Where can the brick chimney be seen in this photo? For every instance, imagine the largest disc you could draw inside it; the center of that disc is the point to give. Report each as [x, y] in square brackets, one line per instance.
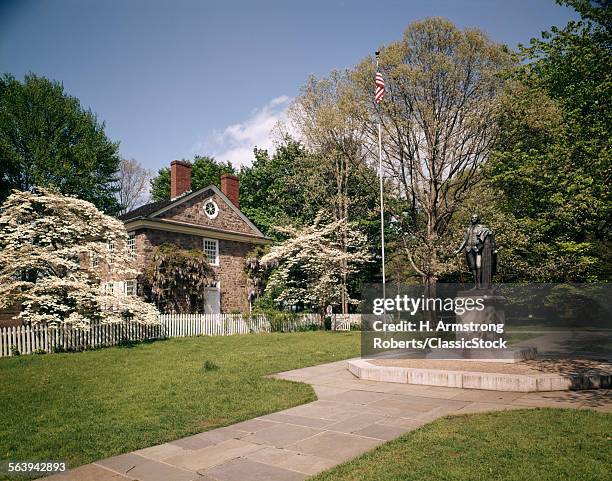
[230, 186]
[180, 178]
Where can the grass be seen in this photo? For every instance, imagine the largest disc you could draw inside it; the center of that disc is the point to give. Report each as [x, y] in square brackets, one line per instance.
[515, 337]
[542, 444]
[85, 406]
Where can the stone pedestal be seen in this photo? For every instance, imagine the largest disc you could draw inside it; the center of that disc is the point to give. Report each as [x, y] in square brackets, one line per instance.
[493, 313]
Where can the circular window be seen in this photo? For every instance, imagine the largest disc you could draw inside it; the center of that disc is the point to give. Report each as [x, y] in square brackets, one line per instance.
[211, 209]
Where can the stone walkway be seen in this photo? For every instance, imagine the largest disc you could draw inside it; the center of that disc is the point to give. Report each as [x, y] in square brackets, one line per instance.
[351, 416]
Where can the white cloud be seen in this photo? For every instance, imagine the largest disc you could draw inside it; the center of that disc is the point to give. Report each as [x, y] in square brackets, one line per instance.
[237, 141]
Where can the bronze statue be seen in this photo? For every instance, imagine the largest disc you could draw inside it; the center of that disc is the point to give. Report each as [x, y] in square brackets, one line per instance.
[480, 253]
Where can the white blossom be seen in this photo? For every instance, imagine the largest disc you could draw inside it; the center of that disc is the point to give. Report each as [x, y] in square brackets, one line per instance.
[308, 265]
[47, 241]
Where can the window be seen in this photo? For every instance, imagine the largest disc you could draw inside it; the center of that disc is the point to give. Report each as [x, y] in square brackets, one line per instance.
[211, 249]
[211, 209]
[95, 260]
[111, 246]
[131, 245]
[130, 287]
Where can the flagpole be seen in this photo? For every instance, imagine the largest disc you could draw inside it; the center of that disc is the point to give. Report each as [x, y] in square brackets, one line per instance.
[382, 216]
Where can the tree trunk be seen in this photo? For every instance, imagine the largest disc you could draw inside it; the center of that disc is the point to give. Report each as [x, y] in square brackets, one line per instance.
[431, 279]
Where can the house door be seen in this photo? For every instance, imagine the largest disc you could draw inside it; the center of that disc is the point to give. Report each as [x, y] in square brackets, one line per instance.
[213, 300]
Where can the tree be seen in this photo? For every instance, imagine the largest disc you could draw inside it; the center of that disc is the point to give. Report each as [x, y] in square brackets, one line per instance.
[278, 189]
[132, 185]
[257, 274]
[309, 265]
[572, 65]
[160, 185]
[205, 171]
[48, 139]
[438, 122]
[325, 113]
[176, 279]
[515, 242]
[47, 241]
[290, 188]
[552, 160]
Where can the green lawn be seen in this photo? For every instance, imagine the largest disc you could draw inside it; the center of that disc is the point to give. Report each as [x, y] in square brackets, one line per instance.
[85, 406]
[539, 445]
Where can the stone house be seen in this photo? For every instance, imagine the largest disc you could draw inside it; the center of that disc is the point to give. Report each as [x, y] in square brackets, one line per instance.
[208, 219]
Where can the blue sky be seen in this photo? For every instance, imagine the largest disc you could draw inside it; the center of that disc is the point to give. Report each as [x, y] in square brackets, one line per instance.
[176, 78]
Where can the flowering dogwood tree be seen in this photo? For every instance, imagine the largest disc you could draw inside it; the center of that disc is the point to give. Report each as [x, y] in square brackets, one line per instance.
[53, 251]
[310, 263]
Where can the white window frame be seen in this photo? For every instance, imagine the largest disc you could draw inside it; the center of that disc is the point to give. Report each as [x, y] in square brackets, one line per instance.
[211, 201]
[131, 245]
[216, 242]
[126, 291]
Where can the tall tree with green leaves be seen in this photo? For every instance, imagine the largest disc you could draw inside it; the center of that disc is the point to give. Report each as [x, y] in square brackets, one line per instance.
[48, 139]
[278, 190]
[572, 64]
[553, 158]
[292, 187]
[327, 115]
[438, 122]
[206, 171]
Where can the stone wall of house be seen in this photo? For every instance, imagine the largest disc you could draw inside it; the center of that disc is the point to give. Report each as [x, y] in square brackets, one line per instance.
[192, 212]
[230, 272]
[8, 317]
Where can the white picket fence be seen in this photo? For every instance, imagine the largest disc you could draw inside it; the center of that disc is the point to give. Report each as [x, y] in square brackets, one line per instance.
[343, 322]
[182, 325]
[28, 339]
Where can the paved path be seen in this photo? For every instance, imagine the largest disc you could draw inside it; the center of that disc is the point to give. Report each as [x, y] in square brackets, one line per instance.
[351, 416]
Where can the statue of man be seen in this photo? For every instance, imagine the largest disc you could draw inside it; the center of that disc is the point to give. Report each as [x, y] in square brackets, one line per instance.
[480, 252]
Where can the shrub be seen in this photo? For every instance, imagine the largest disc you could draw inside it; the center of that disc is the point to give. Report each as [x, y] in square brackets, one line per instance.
[283, 321]
[176, 279]
[209, 366]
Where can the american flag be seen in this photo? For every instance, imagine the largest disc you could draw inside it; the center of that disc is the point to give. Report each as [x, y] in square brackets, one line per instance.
[380, 88]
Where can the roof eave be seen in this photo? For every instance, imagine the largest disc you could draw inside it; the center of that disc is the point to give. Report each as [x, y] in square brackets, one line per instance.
[144, 222]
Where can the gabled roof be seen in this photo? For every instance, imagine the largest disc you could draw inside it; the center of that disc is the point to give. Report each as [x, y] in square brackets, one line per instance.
[144, 210]
[152, 210]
